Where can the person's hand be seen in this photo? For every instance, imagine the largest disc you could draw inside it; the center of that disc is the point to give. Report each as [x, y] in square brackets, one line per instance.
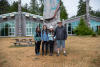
[35, 41]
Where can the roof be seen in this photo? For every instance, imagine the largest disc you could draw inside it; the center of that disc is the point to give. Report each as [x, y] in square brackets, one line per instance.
[70, 20]
[24, 13]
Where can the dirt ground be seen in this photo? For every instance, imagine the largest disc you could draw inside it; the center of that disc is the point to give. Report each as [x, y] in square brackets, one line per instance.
[82, 52]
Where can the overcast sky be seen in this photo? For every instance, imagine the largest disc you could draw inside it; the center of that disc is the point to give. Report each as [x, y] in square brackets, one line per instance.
[71, 5]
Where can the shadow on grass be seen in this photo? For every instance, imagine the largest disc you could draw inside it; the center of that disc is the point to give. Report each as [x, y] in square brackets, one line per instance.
[18, 46]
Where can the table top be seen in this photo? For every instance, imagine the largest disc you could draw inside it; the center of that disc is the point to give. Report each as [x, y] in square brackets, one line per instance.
[22, 38]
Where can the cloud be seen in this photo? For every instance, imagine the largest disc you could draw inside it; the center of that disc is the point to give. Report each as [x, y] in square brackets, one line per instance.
[71, 6]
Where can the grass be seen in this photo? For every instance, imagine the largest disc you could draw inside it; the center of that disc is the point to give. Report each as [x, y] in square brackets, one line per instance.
[3, 62]
[96, 61]
[83, 51]
[2, 59]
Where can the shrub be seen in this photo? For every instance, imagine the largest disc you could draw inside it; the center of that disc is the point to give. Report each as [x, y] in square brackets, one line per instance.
[99, 32]
[94, 34]
[83, 29]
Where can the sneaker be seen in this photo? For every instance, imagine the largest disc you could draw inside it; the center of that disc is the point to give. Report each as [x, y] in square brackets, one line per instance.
[65, 54]
[50, 54]
[57, 54]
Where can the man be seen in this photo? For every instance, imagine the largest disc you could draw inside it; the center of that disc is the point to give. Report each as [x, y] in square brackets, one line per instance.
[61, 36]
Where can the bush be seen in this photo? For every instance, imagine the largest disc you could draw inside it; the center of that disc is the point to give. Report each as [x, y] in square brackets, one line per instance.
[94, 34]
[99, 32]
[83, 29]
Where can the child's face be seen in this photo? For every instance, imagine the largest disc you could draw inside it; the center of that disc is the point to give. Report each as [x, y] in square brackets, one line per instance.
[51, 29]
[44, 27]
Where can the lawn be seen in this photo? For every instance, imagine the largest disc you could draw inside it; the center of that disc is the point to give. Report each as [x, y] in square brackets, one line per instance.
[82, 52]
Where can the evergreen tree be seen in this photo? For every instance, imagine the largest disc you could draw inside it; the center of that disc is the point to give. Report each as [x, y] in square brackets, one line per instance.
[34, 7]
[25, 8]
[95, 13]
[83, 29]
[14, 7]
[4, 6]
[41, 8]
[81, 8]
[63, 12]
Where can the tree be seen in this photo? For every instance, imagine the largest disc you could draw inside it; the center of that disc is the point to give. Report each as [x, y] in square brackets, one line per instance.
[83, 29]
[41, 8]
[81, 8]
[25, 8]
[4, 6]
[95, 13]
[34, 7]
[14, 7]
[63, 12]
[98, 32]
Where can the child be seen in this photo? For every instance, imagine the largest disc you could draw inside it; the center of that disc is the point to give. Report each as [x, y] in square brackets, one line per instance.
[44, 37]
[51, 39]
[37, 38]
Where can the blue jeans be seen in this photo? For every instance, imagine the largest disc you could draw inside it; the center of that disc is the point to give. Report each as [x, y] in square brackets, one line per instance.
[60, 43]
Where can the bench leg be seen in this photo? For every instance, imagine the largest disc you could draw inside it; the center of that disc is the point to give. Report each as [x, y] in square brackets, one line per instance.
[19, 44]
[14, 44]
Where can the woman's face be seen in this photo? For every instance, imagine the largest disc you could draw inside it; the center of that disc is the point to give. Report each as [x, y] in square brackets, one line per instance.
[44, 27]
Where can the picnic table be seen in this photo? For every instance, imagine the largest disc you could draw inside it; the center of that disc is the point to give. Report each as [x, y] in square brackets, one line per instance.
[21, 41]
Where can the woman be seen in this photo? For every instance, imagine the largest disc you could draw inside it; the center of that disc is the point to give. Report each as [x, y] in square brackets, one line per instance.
[44, 38]
[51, 40]
[37, 38]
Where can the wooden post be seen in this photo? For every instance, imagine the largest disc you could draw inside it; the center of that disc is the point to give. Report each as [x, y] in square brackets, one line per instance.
[19, 19]
[87, 13]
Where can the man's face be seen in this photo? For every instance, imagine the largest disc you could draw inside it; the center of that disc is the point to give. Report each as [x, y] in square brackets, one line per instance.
[59, 24]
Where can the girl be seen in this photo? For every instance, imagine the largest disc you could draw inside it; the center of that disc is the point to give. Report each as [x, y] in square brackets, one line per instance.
[44, 37]
[51, 39]
[37, 38]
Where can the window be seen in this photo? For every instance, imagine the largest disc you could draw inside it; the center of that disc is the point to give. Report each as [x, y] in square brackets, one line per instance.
[30, 27]
[7, 28]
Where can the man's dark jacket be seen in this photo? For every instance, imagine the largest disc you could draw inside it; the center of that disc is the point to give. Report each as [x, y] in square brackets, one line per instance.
[60, 33]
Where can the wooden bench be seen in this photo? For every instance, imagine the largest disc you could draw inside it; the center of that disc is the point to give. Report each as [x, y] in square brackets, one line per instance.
[20, 41]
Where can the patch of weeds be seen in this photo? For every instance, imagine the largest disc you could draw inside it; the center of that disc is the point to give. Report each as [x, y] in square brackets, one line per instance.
[3, 62]
[96, 61]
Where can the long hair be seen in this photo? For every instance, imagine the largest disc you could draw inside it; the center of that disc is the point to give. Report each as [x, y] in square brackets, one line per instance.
[51, 31]
[37, 29]
[45, 29]
[38, 32]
